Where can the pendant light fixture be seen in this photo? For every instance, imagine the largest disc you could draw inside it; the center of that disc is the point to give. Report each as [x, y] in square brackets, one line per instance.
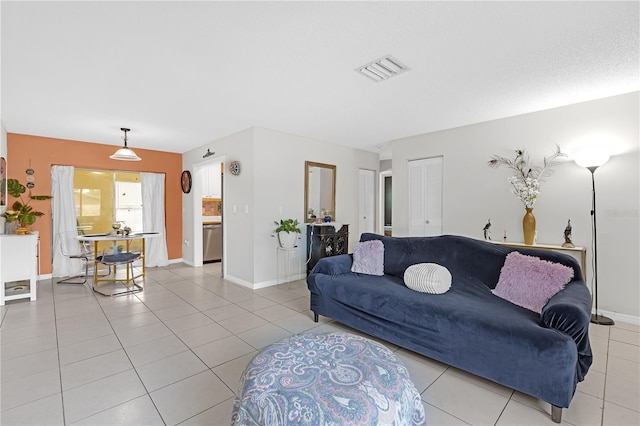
[124, 153]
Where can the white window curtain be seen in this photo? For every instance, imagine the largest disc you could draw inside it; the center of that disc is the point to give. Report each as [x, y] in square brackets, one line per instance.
[153, 219]
[63, 210]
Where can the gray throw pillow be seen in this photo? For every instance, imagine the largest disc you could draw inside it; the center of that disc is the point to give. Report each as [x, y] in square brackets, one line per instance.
[368, 258]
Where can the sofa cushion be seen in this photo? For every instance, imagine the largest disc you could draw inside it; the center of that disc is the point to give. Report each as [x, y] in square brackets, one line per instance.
[428, 278]
[368, 258]
[530, 282]
[464, 257]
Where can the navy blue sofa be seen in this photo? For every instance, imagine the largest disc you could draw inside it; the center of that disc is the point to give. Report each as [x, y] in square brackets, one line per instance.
[467, 327]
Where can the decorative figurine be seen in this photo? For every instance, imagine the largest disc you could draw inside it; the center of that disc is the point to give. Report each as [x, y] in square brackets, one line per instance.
[487, 230]
[567, 236]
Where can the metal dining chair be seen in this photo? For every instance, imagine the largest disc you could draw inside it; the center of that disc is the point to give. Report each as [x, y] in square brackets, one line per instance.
[74, 249]
[118, 259]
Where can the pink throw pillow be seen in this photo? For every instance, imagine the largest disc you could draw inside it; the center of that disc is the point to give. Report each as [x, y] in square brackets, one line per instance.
[530, 282]
[368, 258]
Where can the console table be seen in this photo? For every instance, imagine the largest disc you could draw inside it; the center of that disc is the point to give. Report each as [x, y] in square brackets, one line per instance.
[578, 250]
[324, 240]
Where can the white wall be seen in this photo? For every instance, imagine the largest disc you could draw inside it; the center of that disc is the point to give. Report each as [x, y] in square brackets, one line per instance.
[279, 189]
[386, 165]
[3, 141]
[238, 191]
[473, 192]
[3, 153]
[271, 186]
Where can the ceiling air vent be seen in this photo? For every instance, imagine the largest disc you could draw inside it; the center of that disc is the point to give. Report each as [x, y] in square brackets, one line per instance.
[382, 69]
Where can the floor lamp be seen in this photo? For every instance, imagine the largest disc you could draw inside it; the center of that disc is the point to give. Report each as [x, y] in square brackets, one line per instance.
[592, 160]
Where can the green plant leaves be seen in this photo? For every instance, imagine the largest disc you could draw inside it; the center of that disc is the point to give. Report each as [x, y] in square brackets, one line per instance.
[22, 211]
[288, 225]
[15, 188]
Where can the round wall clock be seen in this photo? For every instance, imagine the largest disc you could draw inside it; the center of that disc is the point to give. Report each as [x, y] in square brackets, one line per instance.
[185, 181]
[234, 168]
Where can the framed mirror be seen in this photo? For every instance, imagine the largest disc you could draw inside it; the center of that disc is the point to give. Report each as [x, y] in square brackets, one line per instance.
[319, 191]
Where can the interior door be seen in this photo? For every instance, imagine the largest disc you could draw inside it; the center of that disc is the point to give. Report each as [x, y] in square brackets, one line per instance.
[425, 197]
[367, 201]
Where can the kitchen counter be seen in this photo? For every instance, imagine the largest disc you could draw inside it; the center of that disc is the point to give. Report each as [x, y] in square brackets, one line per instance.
[211, 220]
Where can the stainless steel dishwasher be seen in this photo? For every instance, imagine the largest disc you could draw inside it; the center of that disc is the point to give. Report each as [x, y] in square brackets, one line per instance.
[211, 243]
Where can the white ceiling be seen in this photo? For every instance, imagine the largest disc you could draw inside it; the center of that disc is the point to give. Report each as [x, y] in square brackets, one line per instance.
[183, 74]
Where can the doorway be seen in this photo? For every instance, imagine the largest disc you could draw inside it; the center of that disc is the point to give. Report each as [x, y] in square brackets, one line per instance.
[209, 228]
[386, 204]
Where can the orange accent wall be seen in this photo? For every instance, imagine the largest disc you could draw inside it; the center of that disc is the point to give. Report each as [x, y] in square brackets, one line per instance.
[40, 153]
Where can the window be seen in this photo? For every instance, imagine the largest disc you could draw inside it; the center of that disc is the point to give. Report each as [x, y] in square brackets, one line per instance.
[87, 202]
[103, 197]
[128, 200]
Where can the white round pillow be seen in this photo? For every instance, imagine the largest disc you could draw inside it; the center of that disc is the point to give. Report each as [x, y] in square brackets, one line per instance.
[428, 278]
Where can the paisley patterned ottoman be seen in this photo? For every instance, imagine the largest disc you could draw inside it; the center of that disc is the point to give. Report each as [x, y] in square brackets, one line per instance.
[327, 379]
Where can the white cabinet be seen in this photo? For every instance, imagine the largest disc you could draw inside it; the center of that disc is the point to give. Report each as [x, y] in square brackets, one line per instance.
[212, 181]
[216, 182]
[19, 269]
[204, 182]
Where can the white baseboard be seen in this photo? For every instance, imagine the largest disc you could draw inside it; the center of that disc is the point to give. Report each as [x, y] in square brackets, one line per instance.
[262, 284]
[618, 317]
[239, 281]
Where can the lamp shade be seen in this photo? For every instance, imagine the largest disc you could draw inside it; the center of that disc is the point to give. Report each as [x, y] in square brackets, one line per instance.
[591, 157]
[125, 154]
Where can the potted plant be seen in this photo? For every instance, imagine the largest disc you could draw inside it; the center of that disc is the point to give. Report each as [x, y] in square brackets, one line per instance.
[288, 231]
[21, 211]
[525, 183]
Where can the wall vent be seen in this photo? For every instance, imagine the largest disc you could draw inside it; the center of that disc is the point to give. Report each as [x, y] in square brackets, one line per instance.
[382, 69]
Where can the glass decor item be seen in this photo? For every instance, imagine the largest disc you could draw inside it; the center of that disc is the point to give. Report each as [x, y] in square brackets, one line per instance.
[116, 228]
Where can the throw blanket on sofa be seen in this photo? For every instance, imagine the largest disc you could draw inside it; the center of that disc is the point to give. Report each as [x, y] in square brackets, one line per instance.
[468, 327]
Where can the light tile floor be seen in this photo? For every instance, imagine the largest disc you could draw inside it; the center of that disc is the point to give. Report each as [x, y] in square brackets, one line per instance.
[173, 355]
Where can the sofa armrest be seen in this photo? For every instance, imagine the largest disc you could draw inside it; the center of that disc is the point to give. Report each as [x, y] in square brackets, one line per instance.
[569, 311]
[334, 265]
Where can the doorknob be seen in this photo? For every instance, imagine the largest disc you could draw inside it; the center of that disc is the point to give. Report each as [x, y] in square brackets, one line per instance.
[426, 221]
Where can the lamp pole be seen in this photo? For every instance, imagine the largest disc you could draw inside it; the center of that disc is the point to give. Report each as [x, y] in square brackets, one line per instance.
[595, 318]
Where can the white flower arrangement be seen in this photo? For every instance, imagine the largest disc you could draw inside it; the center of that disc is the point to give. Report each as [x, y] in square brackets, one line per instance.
[527, 191]
[525, 184]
